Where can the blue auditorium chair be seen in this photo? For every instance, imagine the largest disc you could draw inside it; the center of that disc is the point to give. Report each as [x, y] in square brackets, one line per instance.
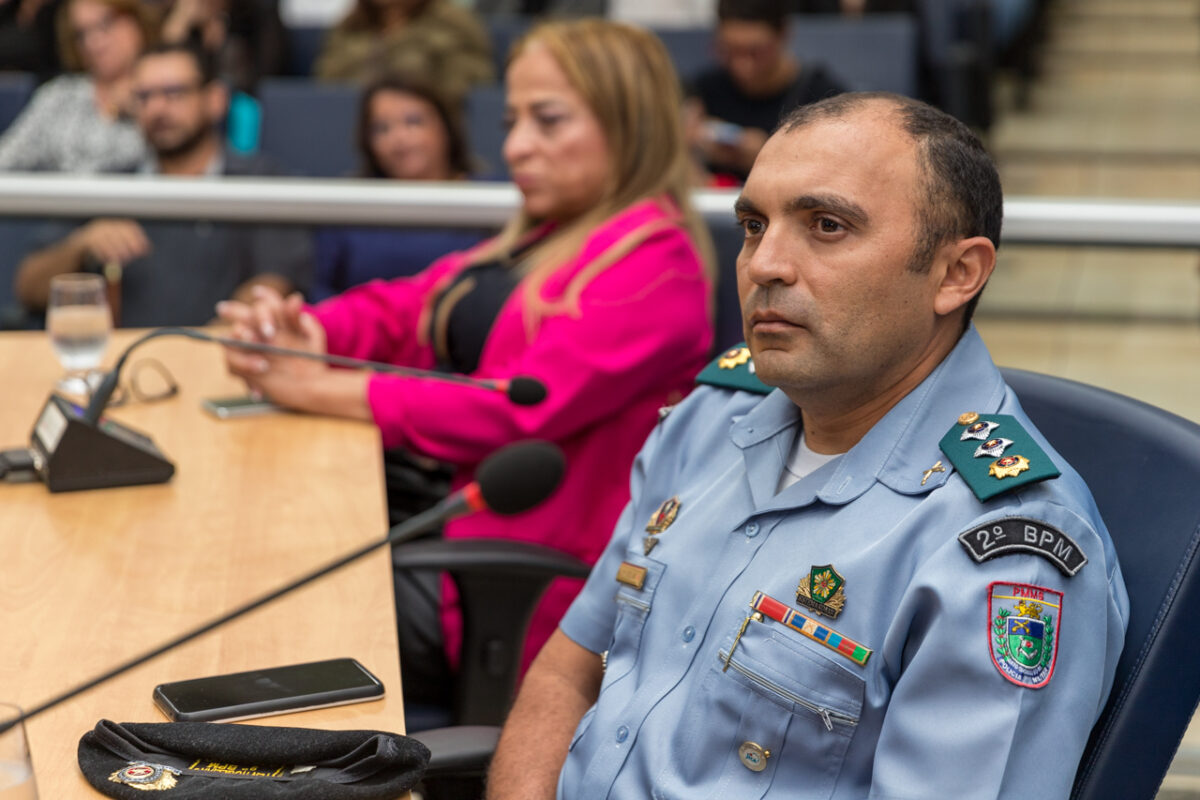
[308, 127]
[17, 240]
[878, 52]
[727, 243]
[15, 88]
[503, 31]
[485, 130]
[499, 584]
[691, 50]
[1143, 466]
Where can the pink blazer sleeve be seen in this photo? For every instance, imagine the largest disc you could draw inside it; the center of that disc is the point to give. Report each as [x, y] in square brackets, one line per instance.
[379, 320]
[640, 321]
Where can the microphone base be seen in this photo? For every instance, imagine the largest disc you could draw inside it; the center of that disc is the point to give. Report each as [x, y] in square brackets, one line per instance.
[70, 453]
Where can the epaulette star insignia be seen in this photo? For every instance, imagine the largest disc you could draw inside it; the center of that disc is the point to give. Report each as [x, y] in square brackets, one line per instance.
[992, 465]
[734, 358]
[733, 369]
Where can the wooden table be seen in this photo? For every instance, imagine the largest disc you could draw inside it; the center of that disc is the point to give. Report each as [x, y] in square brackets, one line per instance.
[90, 579]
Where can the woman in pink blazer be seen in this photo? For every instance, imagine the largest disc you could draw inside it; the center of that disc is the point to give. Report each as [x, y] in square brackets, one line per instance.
[600, 287]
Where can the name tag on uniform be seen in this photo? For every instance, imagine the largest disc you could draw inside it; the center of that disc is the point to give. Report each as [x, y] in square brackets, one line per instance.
[631, 575]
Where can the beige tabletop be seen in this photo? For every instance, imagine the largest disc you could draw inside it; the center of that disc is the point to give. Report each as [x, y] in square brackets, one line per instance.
[92, 578]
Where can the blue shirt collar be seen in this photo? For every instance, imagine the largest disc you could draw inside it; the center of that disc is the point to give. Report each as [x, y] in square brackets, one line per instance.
[897, 451]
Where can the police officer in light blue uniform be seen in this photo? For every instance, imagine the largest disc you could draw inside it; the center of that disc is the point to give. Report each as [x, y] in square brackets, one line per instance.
[876, 581]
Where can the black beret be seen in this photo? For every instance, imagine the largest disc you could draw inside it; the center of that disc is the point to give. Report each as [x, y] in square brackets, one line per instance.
[211, 759]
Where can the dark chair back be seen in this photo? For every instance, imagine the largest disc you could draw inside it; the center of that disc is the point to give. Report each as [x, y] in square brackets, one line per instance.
[308, 127]
[503, 31]
[691, 50]
[18, 237]
[15, 88]
[1143, 467]
[499, 584]
[727, 243]
[878, 52]
[485, 130]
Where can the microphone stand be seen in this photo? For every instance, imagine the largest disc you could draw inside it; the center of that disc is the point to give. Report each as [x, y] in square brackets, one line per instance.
[525, 395]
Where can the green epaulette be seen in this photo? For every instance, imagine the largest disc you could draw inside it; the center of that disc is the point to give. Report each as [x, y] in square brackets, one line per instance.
[733, 369]
[995, 454]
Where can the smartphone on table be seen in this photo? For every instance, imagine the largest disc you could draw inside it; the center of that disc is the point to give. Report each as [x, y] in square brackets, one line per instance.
[240, 406]
[262, 692]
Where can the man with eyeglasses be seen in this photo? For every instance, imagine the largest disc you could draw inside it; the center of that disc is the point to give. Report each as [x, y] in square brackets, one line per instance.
[173, 272]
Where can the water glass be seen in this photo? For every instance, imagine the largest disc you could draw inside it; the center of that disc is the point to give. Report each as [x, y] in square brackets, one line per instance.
[16, 768]
[78, 321]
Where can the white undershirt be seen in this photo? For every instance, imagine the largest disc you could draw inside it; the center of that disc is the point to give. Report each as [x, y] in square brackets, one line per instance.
[801, 462]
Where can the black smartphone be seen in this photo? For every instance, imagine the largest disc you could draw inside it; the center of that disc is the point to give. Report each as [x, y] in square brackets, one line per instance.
[262, 692]
[241, 406]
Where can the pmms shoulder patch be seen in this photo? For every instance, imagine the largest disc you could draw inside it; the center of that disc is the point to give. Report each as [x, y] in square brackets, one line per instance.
[1011, 535]
[1024, 623]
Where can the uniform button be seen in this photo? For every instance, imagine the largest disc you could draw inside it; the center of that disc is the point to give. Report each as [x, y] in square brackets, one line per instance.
[622, 733]
[689, 633]
[752, 529]
[753, 756]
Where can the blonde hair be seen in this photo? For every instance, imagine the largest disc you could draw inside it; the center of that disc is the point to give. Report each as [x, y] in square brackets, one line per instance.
[68, 48]
[625, 77]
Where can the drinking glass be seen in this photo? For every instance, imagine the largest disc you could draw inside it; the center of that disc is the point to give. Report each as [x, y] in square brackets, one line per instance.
[16, 769]
[78, 321]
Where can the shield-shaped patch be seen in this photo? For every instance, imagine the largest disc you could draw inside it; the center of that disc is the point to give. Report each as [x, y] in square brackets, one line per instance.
[1023, 631]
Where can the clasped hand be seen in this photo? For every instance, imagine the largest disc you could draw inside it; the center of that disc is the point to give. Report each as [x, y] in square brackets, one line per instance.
[273, 319]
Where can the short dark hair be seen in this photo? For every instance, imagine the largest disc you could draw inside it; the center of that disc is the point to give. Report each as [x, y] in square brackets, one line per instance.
[206, 63]
[962, 188]
[450, 115]
[768, 12]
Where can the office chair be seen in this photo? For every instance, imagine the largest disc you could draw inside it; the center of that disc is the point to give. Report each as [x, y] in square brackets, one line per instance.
[1143, 467]
[499, 584]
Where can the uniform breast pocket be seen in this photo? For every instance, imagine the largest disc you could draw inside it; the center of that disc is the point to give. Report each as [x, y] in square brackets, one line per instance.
[775, 717]
[638, 580]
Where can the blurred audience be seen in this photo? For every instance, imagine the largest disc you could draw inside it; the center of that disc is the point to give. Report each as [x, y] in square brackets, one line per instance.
[407, 132]
[600, 287]
[165, 272]
[855, 8]
[84, 122]
[758, 79]
[663, 13]
[27, 36]
[433, 40]
[246, 37]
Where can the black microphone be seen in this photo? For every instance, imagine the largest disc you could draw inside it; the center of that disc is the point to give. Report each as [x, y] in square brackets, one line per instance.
[513, 479]
[521, 390]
